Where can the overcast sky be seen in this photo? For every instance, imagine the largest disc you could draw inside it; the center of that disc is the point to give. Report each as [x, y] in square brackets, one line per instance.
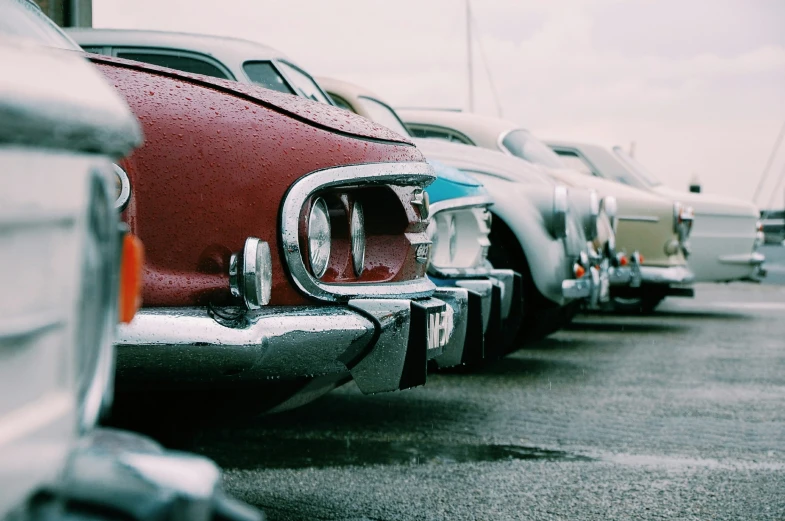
[699, 85]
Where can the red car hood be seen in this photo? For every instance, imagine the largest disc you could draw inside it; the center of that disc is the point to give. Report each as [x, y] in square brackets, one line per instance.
[315, 113]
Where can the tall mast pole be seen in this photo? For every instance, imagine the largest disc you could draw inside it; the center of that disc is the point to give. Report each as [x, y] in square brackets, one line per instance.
[469, 67]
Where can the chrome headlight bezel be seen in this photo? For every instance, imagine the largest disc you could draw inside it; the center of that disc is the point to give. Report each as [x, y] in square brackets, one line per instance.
[123, 188]
[559, 213]
[459, 232]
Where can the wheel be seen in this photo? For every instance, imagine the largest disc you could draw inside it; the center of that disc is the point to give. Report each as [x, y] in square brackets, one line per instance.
[541, 316]
[645, 303]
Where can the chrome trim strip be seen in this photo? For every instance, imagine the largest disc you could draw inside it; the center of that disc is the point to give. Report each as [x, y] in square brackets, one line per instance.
[666, 275]
[460, 203]
[640, 218]
[403, 174]
[177, 345]
[577, 288]
[745, 259]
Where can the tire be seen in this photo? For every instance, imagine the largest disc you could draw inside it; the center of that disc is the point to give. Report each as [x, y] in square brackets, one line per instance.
[645, 303]
[541, 316]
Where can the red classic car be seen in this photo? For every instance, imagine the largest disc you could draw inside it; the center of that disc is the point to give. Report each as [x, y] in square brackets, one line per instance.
[286, 239]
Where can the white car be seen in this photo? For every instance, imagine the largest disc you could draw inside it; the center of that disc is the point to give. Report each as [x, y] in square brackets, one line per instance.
[726, 233]
[217, 56]
[650, 228]
[526, 234]
[61, 248]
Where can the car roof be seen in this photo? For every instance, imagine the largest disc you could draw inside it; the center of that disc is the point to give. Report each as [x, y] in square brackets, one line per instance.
[345, 88]
[224, 48]
[476, 127]
[475, 159]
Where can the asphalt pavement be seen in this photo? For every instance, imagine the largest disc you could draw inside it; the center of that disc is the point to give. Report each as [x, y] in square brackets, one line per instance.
[679, 414]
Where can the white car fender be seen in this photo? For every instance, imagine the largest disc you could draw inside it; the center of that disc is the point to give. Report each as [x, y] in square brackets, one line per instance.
[523, 208]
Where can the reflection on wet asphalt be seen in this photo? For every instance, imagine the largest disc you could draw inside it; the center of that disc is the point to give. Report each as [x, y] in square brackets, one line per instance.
[320, 453]
[676, 415]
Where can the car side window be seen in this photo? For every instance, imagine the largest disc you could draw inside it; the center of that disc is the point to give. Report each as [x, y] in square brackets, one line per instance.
[303, 83]
[438, 133]
[342, 103]
[191, 64]
[575, 161]
[95, 49]
[265, 74]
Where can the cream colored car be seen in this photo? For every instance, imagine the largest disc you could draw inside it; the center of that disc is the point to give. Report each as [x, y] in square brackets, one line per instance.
[726, 235]
[653, 226]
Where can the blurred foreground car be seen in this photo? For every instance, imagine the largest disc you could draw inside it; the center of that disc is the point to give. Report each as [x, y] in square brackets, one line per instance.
[64, 289]
[725, 237]
[287, 250]
[649, 228]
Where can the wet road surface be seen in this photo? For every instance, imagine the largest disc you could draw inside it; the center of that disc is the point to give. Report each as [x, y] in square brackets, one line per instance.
[676, 415]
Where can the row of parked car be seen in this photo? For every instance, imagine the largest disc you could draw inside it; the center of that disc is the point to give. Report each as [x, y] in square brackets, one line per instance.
[298, 233]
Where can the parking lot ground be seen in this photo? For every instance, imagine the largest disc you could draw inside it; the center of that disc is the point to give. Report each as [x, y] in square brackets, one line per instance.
[676, 415]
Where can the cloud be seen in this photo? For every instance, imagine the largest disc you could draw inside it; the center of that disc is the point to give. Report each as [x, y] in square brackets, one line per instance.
[609, 71]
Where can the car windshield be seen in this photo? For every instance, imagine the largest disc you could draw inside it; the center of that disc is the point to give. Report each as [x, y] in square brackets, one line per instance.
[303, 83]
[636, 170]
[383, 115]
[23, 19]
[521, 143]
[265, 74]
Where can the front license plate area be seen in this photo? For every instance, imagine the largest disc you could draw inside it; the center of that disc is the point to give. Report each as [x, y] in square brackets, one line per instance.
[429, 332]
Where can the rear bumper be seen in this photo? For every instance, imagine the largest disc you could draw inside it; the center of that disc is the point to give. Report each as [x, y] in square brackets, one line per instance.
[493, 316]
[133, 477]
[662, 275]
[384, 344]
[747, 259]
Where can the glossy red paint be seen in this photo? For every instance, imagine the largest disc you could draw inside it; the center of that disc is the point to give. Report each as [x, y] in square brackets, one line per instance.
[214, 168]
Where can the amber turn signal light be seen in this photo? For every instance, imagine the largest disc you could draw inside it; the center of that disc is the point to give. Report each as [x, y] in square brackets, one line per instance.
[580, 271]
[130, 297]
[623, 260]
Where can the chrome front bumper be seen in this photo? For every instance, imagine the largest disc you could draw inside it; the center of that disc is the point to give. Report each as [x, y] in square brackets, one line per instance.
[493, 316]
[384, 344]
[666, 275]
[129, 476]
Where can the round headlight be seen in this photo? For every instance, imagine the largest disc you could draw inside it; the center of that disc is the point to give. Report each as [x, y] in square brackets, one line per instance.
[122, 189]
[251, 273]
[319, 237]
[452, 234]
[357, 229]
